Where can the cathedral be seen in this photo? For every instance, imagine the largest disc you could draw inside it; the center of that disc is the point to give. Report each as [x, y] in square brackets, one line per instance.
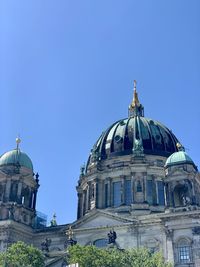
[139, 188]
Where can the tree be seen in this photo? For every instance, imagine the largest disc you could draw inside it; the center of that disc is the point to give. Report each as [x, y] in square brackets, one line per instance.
[112, 257]
[21, 255]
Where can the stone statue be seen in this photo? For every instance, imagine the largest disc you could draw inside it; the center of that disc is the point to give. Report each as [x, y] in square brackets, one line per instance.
[11, 212]
[53, 222]
[82, 170]
[70, 241]
[112, 236]
[46, 244]
[138, 147]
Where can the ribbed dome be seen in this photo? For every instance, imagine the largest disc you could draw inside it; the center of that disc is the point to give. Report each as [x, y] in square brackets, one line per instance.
[128, 135]
[180, 157]
[118, 139]
[16, 157]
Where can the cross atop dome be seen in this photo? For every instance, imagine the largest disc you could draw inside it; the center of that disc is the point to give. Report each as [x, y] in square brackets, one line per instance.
[18, 141]
[135, 108]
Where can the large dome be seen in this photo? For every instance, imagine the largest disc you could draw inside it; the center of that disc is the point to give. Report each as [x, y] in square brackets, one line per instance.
[122, 136]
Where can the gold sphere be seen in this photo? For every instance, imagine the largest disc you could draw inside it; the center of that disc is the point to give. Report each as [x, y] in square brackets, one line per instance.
[18, 140]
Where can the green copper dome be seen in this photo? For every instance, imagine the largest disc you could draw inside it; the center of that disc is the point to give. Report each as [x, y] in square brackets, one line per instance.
[16, 157]
[180, 157]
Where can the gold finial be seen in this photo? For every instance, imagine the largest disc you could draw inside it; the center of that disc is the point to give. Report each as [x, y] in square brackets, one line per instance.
[179, 146]
[18, 141]
[135, 101]
[135, 108]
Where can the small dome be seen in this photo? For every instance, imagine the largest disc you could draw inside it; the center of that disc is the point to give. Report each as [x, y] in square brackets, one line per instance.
[16, 157]
[180, 157]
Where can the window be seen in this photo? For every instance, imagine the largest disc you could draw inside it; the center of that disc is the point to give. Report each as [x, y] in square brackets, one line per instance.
[127, 192]
[139, 186]
[116, 194]
[161, 198]
[100, 243]
[184, 251]
[150, 191]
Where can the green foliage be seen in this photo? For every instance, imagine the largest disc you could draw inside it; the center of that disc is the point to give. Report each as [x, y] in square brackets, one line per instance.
[21, 255]
[95, 257]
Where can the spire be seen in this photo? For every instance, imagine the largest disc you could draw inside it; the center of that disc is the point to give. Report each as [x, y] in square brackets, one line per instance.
[135, 108]
[135, 101]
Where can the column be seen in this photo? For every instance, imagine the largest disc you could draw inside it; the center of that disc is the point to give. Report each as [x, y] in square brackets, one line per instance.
[169, 246]
[87, 199]
[145, 187]
[109, 192]
[132, 187]
[19, 192]
[79, 210]
[166, 195]
[89, 195]
[122, 189]
[7, 192]
[96, 193]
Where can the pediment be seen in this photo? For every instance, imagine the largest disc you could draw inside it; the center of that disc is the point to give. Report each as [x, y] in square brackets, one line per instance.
[100, 219]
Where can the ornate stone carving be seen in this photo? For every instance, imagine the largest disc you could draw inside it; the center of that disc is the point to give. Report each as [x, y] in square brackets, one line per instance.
[169, 232]
[46, 244]
[196, 230]
[138, 148]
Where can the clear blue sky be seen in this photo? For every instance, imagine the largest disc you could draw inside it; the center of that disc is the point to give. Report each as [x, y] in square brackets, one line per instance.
[66, 73]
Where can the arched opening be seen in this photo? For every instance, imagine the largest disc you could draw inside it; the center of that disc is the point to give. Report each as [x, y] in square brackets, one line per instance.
[25, 197]
[13, 192]
[181, 195]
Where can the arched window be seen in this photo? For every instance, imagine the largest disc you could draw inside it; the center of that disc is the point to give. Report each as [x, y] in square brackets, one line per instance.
[25, 196]
[184, 251]
[101, 243]
[181, 195]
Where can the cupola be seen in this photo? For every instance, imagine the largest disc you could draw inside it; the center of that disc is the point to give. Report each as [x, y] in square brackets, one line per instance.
[179, 158]
[16, 158]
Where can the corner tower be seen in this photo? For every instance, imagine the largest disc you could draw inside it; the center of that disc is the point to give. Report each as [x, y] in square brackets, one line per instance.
[18, 187]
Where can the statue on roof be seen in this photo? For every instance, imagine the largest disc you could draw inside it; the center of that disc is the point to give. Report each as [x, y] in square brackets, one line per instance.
[53, 222]
[112, 236]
